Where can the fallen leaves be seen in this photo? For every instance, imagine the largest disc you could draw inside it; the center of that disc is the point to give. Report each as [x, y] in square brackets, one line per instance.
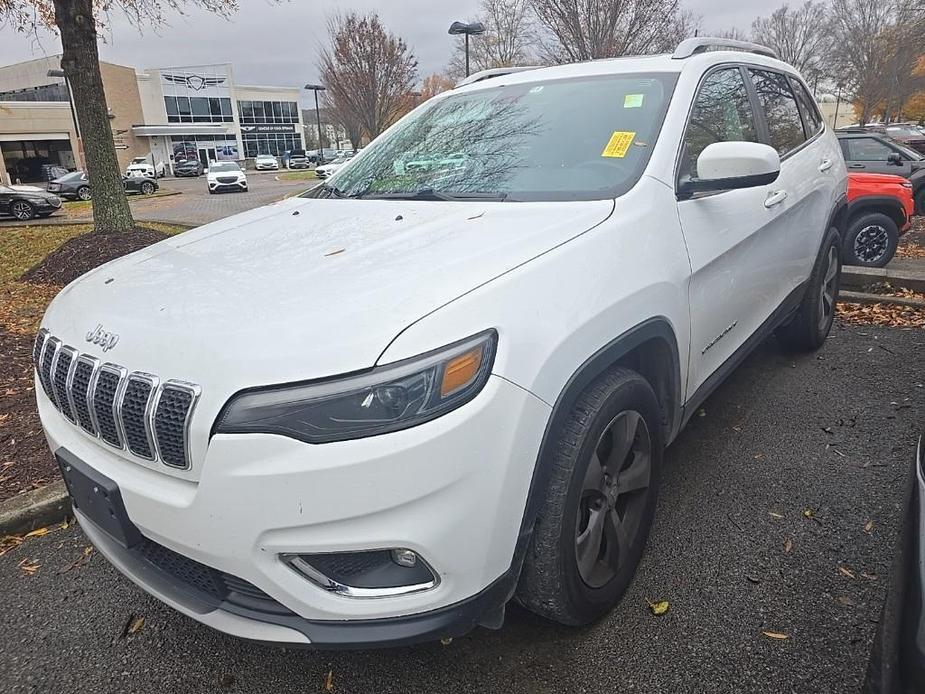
[774, 514]
[329, 681]
[776, 635]
[80, 561]
[659, 607]
[225, 680]
[132, 625]
[889, 315]
[29, 566]
[788, 545]
[844, 571]
[868, 527]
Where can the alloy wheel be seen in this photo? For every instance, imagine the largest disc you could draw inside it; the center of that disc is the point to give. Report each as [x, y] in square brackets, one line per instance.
[871, 243]
[84, 194]
[22, 210]
[613, 498]
[827, 291]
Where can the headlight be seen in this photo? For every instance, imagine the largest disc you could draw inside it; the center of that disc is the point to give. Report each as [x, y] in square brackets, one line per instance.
[386, 398]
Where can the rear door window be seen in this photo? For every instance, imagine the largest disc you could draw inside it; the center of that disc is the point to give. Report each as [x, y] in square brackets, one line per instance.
[785, 126]
[812, 121]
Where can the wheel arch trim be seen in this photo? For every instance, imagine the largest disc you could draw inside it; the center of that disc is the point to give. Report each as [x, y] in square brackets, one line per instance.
[658, 328]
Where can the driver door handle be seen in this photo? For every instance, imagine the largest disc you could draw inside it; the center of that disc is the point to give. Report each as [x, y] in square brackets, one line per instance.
[825, 165]
[775, 197]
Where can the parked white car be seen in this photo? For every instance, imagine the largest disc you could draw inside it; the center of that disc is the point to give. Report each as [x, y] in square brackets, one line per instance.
[224, 176]
[326, 170]
[266, 162]
[142, 166]
[374, 413]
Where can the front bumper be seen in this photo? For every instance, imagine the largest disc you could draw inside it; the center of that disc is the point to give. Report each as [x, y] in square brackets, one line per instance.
[237, 185]
[453, 490]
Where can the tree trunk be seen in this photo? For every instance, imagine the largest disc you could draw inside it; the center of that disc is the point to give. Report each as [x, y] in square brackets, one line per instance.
[80, 62]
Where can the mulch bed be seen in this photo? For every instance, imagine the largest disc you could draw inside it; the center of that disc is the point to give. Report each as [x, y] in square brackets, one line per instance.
[25, 460]
[81, 254]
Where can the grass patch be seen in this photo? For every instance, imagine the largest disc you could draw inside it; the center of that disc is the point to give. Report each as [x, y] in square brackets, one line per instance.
[305, 175]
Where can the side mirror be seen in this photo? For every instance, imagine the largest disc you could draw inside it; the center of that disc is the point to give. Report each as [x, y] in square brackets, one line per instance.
[731, 165]
[894, 158]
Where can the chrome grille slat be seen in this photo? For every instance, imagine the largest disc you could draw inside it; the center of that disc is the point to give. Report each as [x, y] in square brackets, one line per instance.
[106, 394]
[172, 410]
[62, 365]
[135, 407]
[81, 390]
[133, 411]
[48, 356]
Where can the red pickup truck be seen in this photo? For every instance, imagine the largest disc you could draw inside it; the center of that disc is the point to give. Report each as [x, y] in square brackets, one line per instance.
[880, 209]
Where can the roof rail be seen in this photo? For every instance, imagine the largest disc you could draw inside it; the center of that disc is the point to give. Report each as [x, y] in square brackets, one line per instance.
[702, 44]
[495, 72]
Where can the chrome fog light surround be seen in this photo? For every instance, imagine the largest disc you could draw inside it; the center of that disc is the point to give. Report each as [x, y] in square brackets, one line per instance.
[391, 566]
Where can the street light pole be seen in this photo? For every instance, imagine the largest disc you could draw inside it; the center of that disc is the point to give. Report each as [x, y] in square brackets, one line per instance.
[471, 29]
[70, 102]
[318, 88]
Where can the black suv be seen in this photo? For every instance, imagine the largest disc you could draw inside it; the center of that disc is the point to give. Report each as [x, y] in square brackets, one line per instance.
[875, 153]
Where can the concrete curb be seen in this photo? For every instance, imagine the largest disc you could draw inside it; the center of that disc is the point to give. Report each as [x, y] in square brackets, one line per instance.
[863, 276]
[36, 509]
[864, 298]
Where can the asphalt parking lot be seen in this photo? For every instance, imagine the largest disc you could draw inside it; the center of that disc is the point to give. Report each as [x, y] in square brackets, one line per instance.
[196, 206]
[779, 511]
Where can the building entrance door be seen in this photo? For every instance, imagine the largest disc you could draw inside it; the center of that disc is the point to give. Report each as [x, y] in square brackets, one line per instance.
[206, 155]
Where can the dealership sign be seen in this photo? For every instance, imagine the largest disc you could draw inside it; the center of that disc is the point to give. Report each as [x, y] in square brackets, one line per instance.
[279, 128]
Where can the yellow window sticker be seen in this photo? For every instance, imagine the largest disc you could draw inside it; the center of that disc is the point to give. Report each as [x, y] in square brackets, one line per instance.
[619, 144]
[633, 100]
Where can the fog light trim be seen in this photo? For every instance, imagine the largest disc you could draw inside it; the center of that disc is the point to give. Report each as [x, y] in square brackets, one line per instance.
[301, 564]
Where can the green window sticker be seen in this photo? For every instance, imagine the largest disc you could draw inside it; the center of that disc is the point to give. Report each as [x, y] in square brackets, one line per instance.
[633, 101]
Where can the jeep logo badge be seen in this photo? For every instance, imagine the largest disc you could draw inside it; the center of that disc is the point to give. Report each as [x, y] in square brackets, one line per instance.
[103, 338]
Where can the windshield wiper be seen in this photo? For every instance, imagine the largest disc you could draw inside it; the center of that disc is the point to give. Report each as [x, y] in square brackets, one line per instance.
[431, 194]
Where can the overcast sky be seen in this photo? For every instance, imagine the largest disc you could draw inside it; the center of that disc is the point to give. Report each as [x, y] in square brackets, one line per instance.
[277, 43]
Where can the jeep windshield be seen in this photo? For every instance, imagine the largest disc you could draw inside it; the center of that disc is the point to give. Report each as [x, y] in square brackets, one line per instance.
[586, 138]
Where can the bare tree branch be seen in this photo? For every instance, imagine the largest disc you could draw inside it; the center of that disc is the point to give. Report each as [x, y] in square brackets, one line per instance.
[587, 29]
[801, 36]
[369, 73]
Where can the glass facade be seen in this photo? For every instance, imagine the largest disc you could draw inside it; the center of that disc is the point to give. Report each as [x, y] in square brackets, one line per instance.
[188, 146]
[270, 143]
[198, 109]
[252, 112]
[45, 92]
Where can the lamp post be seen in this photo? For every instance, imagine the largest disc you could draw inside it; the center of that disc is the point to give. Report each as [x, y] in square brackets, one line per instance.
[470, 29]
[317, 88]
[70, 101]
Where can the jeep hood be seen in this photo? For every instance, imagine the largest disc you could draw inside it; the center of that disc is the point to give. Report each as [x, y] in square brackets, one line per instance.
[304, 288]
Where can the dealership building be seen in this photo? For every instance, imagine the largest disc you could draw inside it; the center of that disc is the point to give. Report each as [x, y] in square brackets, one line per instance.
[194, 111]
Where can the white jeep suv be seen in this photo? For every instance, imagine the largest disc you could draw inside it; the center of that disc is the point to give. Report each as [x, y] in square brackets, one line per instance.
[376, 413]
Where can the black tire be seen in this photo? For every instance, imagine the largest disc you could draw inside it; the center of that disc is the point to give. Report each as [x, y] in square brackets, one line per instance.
[43, 214]
[808, 329]
[871, 240]
[211, 192]
[553, 583]
[147, 188]
[22, 210]
[920, 202]
[83, 193]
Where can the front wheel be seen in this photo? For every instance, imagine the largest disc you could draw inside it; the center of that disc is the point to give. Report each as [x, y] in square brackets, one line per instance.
[871, 240]
[22, 210]
[813, 320]
[599, 503]
[84, 192]
[147, 188]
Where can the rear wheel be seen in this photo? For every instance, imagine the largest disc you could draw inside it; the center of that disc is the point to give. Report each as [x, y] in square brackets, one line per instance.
[83, 192]
[813, 321]
[22, 210]
[871, 240]
[147, 188]
[599, 503]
